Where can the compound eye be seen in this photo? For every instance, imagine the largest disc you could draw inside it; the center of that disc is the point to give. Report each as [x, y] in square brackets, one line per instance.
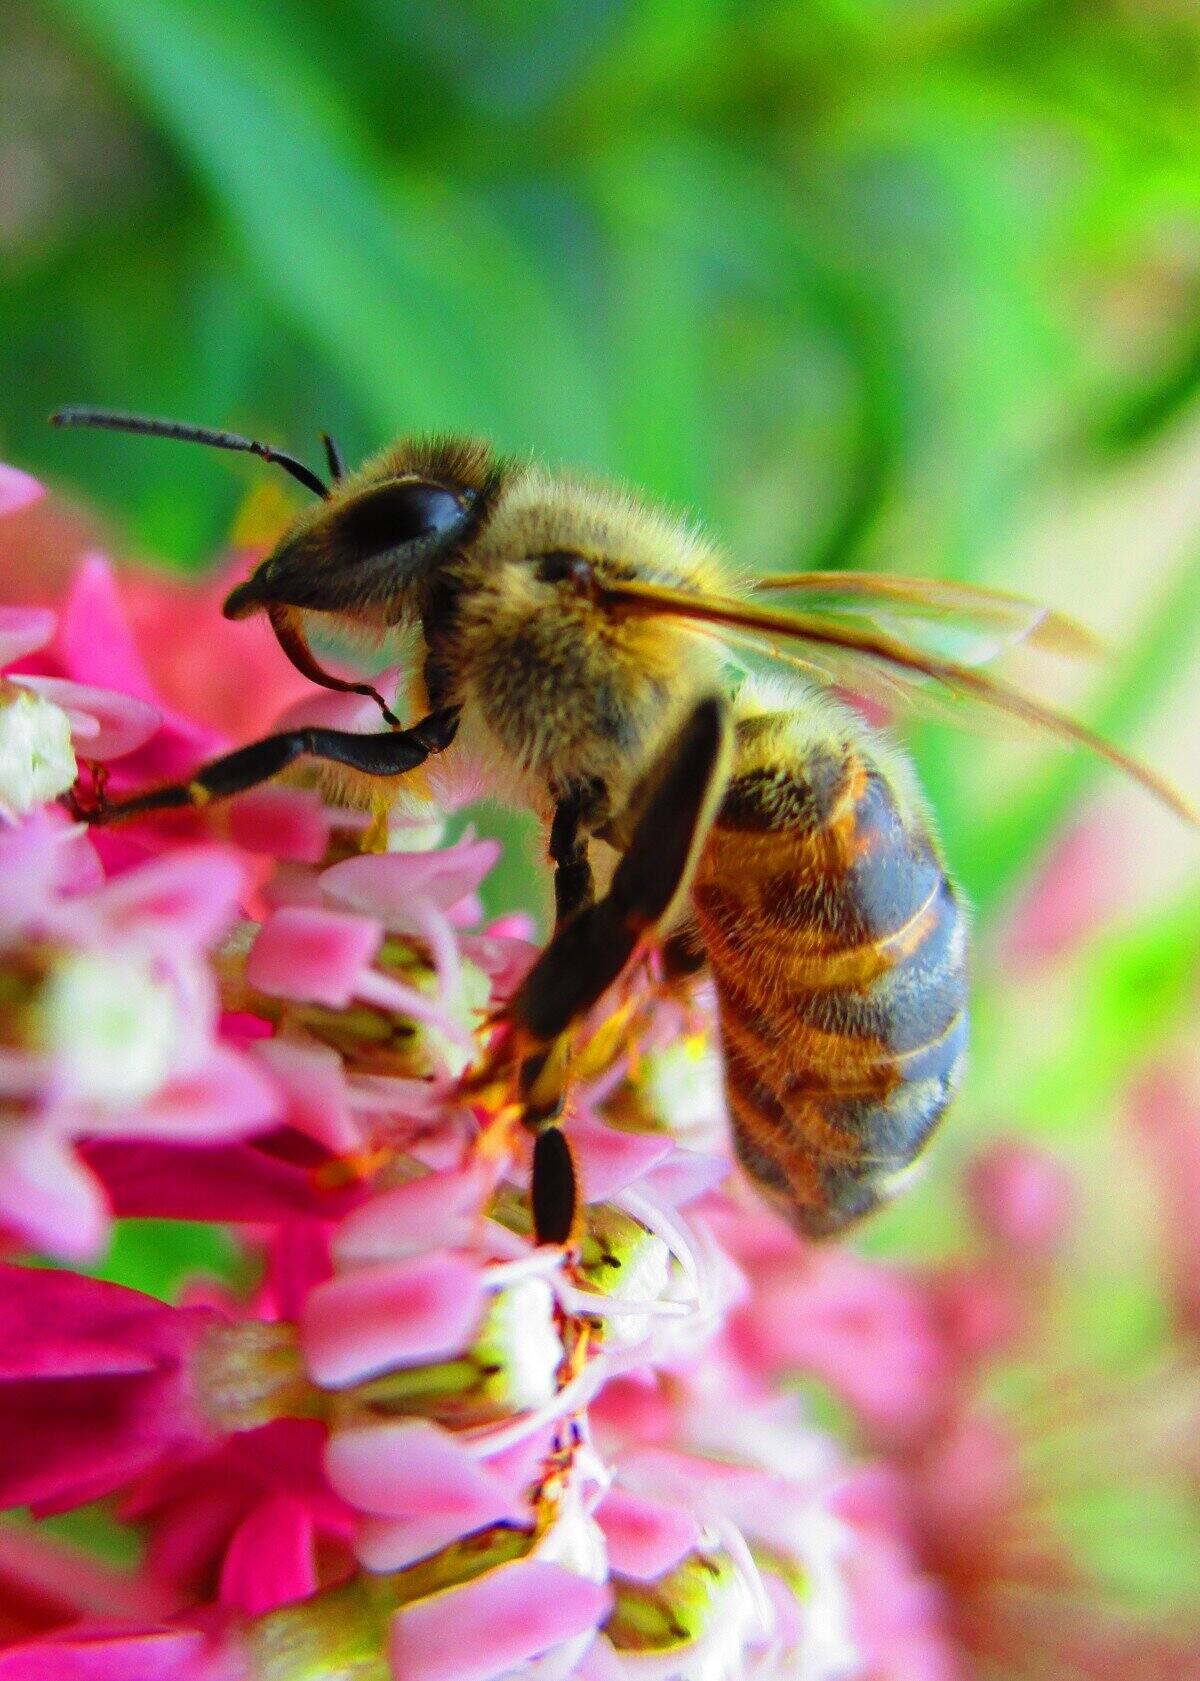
[401, 512]
[561, 566]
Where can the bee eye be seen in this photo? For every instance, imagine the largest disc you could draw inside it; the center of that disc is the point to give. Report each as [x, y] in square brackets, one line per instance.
[561, 566]
[400, 513]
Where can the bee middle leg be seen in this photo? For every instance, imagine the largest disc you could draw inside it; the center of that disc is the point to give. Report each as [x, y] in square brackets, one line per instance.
[595, 941]
[588, 952]
[578, 812]
[385, 754]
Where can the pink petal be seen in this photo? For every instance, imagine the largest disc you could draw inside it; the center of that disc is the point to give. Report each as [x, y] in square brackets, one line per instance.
[94, 645]
[49, 1197]
[385, 885]
[298, 1259]
[1022, 1196]
[413, 1469]
[1081, 885]
[312, 954]
[601, 1663]
[513, 925]
[282, 822]
[22, 629]
[60, 1584]
[313, 1082]
[64, 1324]
[684, 1176]
[100, 1654]
[271, 1559]
[385, 1544]
[610, 1160]
[17, 490]
[503, 958]
[104, 724]
[645, 1537]
[490, 1625]
[867, 1331]
[95, 1388]
[225, 1098]
[362, 1323]
[192, 893]
[94, 641]
[223, 1182]
[39, 858]
[437, 1209]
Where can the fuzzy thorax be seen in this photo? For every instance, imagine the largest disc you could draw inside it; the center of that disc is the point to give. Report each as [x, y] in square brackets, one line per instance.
[566, 688]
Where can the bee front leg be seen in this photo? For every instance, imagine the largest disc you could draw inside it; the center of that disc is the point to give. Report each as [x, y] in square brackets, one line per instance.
[389, 754]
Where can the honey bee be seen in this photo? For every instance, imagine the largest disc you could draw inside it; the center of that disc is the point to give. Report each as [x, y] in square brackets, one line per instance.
[585, 646]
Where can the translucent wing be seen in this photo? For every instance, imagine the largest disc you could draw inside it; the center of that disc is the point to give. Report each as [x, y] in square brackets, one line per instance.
[863, 650]
[966, 622]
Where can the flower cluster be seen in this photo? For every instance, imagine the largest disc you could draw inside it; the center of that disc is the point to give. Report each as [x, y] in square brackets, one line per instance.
[413, 1443]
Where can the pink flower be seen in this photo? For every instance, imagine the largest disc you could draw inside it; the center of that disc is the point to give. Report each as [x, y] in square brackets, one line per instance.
[94, 1386]
[120, 1652]
[112, 1023]
[1022, 1198]
[867, 1331]
[17, 490]
[252, 1512]
[1082, 882]
[483, 1630]
[46, 721]
[413, 1441]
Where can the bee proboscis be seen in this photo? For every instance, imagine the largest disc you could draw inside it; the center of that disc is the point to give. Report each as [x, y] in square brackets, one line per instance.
[579, 643]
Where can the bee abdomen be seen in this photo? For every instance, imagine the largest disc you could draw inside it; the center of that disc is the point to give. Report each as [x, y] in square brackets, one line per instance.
[838, 950]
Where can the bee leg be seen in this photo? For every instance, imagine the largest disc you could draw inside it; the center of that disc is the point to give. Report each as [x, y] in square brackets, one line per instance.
[554, 1188]
[389, 754]
[576, 814]
[590, 949]
[586, 955]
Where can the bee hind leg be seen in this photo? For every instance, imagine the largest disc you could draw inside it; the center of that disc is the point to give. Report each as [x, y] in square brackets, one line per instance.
[383, 754]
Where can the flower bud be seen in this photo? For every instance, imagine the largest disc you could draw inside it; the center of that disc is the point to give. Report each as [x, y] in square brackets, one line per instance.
[693, 1622]
[509, 1366]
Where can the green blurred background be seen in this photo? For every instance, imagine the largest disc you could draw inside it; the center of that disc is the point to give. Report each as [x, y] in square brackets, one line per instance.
[903, 283]
[856, 281]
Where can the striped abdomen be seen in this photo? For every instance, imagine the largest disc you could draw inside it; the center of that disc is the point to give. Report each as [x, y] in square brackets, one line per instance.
[837, 947]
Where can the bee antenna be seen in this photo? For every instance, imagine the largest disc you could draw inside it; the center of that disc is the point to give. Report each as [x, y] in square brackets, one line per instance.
[334, 456]
[110, 421]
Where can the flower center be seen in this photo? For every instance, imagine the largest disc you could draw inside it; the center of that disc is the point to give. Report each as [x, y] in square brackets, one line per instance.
[37, 761]
[111, 1026]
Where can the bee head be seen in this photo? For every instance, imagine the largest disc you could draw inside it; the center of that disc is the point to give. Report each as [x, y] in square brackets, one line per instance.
[369, 549]
[375, 542]
[361, 555]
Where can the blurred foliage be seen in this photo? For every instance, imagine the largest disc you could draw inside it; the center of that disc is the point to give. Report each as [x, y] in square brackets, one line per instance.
[855, 281]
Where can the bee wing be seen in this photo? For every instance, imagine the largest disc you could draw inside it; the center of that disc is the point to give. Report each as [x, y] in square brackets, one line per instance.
[966, 622]
[865, 649]
[895, 695]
